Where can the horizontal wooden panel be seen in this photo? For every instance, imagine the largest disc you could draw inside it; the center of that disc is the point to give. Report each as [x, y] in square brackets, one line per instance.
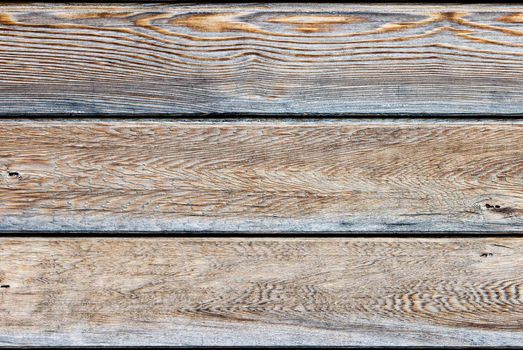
[148, 58]
[261, 176]
[261, 291]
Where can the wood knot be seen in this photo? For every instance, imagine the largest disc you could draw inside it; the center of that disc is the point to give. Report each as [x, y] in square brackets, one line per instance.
[11, 175]
[503, 210]
[490, 206]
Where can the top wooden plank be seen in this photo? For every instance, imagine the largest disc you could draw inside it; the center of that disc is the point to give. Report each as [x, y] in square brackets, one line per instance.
[141, 59]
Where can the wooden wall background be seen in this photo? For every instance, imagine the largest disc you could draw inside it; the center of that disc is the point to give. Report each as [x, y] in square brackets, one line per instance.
[261, 174]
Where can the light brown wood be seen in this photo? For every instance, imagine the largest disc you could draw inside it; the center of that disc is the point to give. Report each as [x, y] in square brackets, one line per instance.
[225, 291]
[348, 176]
[136, 58]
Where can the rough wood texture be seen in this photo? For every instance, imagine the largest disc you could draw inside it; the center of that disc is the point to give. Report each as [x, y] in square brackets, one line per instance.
[260, 58]
[261, 291]
[261, 176]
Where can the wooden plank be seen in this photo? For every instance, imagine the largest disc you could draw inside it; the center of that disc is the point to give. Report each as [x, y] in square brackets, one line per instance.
[261, 176]
[147, 58]
[225, 291]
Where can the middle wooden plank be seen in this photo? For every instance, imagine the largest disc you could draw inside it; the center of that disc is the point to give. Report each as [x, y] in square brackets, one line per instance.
[286, 176]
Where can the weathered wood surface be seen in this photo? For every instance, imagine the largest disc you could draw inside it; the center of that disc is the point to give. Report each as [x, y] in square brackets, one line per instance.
[329, 291]
[255, 176]
[148, 58]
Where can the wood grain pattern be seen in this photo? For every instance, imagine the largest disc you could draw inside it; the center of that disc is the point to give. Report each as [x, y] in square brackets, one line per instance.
[184, 59]
[359, 175]
[224, 291]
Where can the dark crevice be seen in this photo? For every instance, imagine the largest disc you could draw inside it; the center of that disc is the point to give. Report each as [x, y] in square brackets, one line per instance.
[94, 234]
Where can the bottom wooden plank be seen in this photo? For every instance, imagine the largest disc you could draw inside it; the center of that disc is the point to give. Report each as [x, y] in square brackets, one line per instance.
[261, 291]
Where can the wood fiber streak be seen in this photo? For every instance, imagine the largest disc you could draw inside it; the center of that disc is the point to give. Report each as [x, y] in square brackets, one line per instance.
[155, 59]
[209, 291]
[259, 177]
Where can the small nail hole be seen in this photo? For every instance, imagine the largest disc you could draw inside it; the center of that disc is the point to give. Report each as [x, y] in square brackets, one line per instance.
[13, 173]
[4, 286]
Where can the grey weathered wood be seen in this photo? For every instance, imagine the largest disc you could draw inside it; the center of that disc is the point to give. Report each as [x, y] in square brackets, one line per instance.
[261, 176]
[146, 58]
[252, 291]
